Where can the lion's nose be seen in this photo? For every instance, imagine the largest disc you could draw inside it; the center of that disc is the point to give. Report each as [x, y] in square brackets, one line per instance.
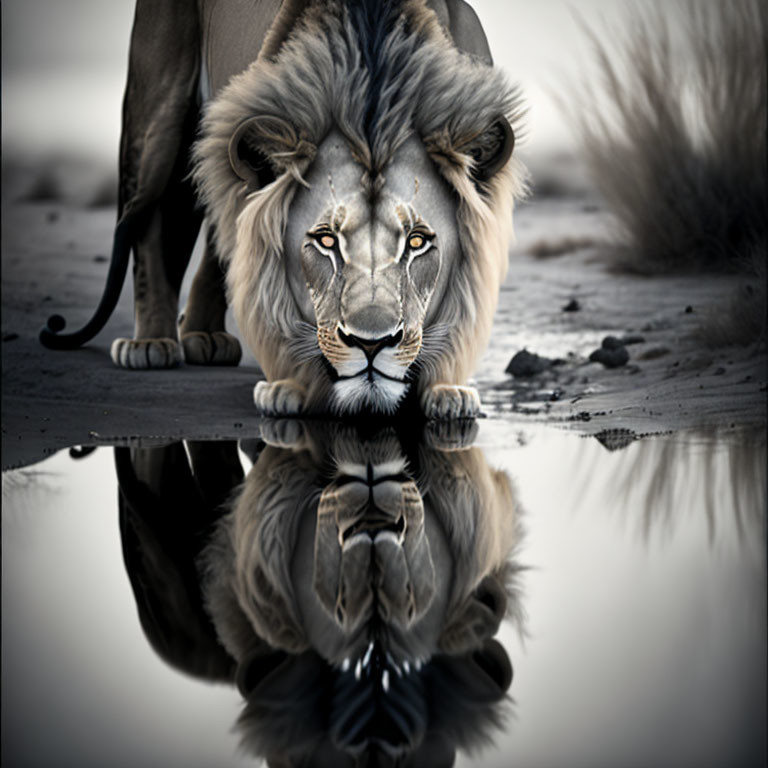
[371, 347]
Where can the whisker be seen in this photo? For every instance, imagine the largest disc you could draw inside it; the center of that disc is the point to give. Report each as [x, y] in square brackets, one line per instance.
[304, 345]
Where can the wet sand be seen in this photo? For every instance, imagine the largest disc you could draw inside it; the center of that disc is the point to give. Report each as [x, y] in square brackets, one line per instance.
[54, 261]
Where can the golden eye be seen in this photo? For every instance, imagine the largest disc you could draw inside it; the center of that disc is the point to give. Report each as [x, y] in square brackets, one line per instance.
[415, 241]
[327, 241]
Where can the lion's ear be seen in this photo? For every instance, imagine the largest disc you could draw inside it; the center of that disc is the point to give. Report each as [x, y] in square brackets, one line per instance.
[247, 158]
[491, 149]
[264, 146]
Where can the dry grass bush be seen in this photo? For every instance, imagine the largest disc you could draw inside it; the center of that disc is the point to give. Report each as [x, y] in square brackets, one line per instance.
[679, 151]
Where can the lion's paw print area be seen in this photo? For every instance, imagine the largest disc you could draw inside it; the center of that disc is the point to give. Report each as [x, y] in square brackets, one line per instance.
[446, 401]
[217, 348]
[146, 354]
[279, 398]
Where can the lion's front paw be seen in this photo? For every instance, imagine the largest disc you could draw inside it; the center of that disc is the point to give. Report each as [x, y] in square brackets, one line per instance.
[451, 435]
[284, 397]
[447, 401]
[143, 354]
[283, 433]
[217, 348]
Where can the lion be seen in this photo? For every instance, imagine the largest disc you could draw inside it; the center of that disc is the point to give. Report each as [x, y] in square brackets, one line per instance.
[358, 181]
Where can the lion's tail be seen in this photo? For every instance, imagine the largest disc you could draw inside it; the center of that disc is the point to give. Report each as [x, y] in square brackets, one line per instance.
[51, 336]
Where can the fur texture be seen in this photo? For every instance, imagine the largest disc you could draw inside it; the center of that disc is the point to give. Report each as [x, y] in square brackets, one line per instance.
[378, 86]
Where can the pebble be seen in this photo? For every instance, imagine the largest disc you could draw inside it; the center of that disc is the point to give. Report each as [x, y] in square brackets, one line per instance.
[615, 439]
[611, 342]
[610, 358]
[572, 306]
[526, 363]
[612, 353]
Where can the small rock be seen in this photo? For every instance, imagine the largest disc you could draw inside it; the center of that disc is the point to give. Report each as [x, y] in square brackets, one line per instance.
[632, 339]
[526, 363]
[10, 336]
[688, 309]
[100, 258]
[615, 439]
[719, 371]
[610, 358]
[611, 342]
[572, 306]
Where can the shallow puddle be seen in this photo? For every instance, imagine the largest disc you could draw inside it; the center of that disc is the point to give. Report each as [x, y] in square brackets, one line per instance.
[633, 582]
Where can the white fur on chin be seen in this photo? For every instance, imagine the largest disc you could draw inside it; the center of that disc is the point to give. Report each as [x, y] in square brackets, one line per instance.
[381, 395]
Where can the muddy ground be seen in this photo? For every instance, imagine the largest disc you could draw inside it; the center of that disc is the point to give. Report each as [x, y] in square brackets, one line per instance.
[54, 260]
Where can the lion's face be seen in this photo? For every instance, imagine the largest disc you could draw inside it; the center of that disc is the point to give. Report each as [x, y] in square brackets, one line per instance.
[368, 260]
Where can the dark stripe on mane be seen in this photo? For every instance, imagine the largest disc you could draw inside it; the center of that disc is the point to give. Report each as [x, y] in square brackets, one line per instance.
[374, 20]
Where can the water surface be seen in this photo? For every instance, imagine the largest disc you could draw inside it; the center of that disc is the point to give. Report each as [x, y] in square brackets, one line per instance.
[641, 578]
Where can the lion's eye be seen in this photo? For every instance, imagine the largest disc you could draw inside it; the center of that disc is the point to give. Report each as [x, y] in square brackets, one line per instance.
[327, 241]
[416, 241]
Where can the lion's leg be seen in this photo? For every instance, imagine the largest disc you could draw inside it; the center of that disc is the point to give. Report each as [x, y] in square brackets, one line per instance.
[161, 254]
[203, 332]
[160, 116]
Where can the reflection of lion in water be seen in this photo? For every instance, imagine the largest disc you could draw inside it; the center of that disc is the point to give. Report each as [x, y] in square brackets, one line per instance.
[377, 572]
[353, 592]
[416, 546]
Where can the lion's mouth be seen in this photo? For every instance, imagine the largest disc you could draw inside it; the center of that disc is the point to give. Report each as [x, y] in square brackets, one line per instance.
[370, 373]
